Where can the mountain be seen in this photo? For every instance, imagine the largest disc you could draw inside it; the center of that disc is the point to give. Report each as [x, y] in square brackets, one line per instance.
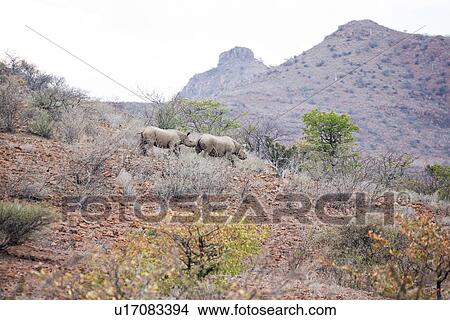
[393, 84]
[237, 66]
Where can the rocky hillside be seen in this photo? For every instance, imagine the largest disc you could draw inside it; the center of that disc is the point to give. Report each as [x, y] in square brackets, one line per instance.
[400, 99]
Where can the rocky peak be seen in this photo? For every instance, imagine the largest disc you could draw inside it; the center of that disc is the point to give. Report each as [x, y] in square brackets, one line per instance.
[236, 67]
[362, 28]
[237, 55]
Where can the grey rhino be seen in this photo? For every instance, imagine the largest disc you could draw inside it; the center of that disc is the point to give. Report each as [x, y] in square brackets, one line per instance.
[164, 138]
[219, 146]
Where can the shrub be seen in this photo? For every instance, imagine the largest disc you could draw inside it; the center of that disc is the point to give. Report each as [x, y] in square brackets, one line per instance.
[42, 124]
[85, 172]
[19, 221]
[388, 169]
[193, 175]
[183, 262]
[351, 257]
[71, 124]
[421, 268]
[441, 173]
[408, 261]
[434, 179]
[166, 116]
[254, 135]
[10, 99]
[56, 97]
[281, 157]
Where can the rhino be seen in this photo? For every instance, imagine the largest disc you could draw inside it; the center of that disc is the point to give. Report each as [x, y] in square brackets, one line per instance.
[164, 138]
[219, 146]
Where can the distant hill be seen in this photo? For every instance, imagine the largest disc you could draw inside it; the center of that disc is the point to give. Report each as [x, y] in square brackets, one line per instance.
[400, 100]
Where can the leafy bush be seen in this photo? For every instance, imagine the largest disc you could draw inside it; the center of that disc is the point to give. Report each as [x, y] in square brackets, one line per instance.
[183, 262]
[19, 221]
[42, 124]
[441, 173]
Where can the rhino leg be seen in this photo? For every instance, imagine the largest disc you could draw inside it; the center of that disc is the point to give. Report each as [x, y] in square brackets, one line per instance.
[229, 157]
[210, 151]
[142, 145]
[173, 148]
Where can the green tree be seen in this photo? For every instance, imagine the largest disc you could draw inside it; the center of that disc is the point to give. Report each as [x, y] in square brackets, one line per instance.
[440, 173]
[328, 133]
[207, 116]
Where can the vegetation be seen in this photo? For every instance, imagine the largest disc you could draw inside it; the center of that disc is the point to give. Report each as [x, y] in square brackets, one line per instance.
[409, 260]
[19, 221]
[280, 156]
[207, 116]
[419, 270]
[42, 124]
[187, 261]
[441, 174]
[10, 99]
[328, 133]
[192, 175]
[55, 97]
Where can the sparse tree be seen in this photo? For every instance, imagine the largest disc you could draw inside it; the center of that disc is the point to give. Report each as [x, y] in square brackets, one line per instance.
[254, 135]
[207, 116]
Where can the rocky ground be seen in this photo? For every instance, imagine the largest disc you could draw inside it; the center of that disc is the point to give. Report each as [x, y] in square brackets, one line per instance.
[28, 160]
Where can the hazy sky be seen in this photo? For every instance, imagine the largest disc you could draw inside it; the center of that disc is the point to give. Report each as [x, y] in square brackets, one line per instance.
[159, 45]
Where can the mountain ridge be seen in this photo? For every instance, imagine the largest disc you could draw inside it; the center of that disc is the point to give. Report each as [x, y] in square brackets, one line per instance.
[400, 99]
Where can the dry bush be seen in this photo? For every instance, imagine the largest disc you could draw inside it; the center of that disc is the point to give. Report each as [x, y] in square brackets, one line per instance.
[372, 175]
[441, 207]
[19, 221]
[87, 163]
[254, 135]
[410, 260]
[389, 169]
[419, 270]
[191, 174]
[71, 124]
[125, 179]
[10, 100]
[56, 97]
[253, 163]
[347, 255]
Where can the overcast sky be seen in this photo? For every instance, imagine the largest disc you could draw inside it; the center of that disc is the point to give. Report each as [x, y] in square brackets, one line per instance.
[159, 45]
